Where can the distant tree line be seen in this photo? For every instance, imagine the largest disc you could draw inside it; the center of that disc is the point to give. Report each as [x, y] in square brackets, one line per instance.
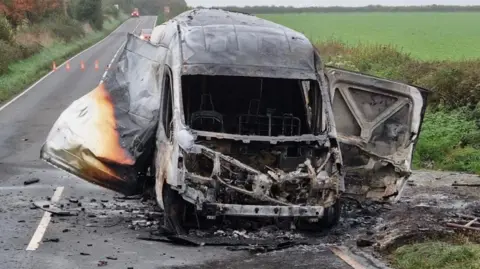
[370, 8]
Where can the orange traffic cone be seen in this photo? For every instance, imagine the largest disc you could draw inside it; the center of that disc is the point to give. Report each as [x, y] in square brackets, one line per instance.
[82, 65]
[68, 66]
[96, 65]
[54, 66]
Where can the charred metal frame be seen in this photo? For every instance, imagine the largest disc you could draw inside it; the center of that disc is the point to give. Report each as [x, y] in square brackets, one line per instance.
[200, 190]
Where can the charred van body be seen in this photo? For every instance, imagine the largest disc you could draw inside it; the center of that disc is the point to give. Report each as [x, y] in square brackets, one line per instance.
[228, 114]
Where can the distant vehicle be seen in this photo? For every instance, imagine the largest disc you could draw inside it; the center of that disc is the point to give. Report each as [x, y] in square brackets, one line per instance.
[135, 13]
[145, 34]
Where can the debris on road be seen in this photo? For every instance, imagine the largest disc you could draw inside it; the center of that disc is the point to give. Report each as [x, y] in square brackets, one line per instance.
[234, 243]
[84, 254]
[102, 263]
[49, 207]
[54, 240]
[365, 242]
[112, 258]
[31, 181]
[456, 184]
[133, 197]
[466, 222]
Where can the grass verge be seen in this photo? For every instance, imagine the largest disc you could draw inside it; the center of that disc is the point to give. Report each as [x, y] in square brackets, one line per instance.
[437, 255]
[450, 140]
[25, 72]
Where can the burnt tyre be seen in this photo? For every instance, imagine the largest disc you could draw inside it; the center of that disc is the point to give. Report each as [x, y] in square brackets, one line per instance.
[332, 215]
[180, 216]
[330, 218]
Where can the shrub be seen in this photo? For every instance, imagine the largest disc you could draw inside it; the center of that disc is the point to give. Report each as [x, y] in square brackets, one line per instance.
[333, 48]
[29, 50]
[65, 28]
[88, 10]
[465, 159]
[112, 11]
[8, 54]
[442, 131]
[6, 31]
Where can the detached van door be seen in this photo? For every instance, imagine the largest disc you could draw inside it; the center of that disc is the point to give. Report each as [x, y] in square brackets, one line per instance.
[378, 123]
[105, 137]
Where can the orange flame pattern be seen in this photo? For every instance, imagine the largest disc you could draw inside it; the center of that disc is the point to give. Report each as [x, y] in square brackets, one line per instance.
[104, 140]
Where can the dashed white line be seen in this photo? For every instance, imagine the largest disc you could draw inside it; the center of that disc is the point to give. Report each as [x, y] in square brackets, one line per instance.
[111, 62]
[137, 26]
[42, 226]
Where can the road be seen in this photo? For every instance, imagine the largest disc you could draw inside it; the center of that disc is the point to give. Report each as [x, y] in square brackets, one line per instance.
[24, 125]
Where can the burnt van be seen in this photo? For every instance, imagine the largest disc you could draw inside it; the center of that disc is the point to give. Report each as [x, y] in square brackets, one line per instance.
[227, 114]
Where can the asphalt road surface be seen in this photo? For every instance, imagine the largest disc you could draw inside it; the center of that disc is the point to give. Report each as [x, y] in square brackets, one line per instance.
[24, 125]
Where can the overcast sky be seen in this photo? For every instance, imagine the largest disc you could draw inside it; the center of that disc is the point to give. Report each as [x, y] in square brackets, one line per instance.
[300, 3]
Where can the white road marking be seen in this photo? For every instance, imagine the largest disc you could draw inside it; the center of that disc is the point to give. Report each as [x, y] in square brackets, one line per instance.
[44, 77]
[42, 226]
[346, 258]
[133, 32]
[111, 62]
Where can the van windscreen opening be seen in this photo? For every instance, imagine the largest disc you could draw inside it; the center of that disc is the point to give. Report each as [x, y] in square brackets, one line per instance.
[247, 105]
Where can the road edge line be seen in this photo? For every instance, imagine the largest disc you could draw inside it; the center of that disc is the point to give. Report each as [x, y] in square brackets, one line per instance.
[346, 258]
[42, 226]
[51, 72]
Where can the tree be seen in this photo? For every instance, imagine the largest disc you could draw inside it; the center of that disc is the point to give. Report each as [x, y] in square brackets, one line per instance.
[33, 10]
[88, 10]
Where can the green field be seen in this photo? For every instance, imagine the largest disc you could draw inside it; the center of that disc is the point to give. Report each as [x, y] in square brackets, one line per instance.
[425, 35]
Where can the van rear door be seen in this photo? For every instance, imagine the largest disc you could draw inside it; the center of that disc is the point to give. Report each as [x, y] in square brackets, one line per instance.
[378, 122]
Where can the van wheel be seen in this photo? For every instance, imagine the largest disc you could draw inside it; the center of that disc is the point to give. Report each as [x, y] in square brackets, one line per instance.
[175, 208]
[332, 215]
[329, 219]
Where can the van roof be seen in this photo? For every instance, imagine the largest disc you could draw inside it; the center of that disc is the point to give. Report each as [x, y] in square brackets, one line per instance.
[218, 39]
